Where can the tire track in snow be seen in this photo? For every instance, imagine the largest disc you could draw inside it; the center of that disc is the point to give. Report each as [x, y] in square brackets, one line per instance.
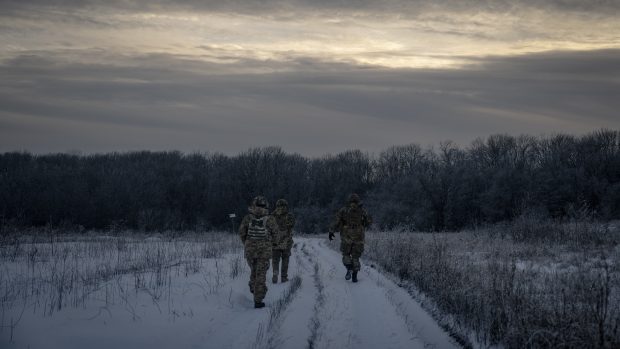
[336, 317]
[278, 311]
[304, 258]
[294, 330]
[363, 316]
[299, 257]
[327, 311]
[315, 321]
[420, 324]
[236, 324]
[267, 336]
[315, 298]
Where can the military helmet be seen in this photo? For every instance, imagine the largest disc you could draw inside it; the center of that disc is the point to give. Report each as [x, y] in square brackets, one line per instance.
[354, 198]
[281, 203]
[260, 201]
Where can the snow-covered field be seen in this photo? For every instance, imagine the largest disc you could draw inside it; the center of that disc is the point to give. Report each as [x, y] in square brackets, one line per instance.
[191, 292]
[489, 289]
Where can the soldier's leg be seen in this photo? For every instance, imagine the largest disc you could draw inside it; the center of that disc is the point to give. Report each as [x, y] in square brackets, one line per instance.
[356, 252]
[260, 284]
[345, 248]
[252, 264]
[275, 258]
[286, 254]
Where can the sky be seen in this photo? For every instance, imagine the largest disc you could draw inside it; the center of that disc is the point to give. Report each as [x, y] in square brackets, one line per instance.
[311, 76]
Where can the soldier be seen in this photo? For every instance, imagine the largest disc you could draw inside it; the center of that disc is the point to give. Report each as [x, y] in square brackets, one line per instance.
[257, 231]
[351, 221]
[283, 241]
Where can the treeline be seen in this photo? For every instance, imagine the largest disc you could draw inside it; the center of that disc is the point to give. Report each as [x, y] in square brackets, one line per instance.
[444, 188]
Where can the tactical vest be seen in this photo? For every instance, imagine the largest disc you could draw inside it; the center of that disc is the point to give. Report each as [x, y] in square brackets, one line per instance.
[257, 230]
[354, 217]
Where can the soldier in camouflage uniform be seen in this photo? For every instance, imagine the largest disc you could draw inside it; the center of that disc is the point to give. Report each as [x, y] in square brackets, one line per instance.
[283, 240]
[257, 231]
[351, 221]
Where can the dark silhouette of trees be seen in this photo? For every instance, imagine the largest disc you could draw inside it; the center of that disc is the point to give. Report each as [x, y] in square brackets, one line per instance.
[495, 179]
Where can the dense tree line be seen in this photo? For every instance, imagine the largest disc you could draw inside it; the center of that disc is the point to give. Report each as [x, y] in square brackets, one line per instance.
[444, 188]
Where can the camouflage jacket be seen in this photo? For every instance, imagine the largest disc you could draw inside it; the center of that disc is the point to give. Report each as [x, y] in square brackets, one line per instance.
[257, 232]
[351, 221]
[284, 235]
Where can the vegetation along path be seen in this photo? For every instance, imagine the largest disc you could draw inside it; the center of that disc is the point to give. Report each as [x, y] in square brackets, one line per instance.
[193, 297]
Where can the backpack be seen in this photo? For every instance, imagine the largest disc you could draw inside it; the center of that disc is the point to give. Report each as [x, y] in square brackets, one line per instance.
[354, 217]
[257, 229]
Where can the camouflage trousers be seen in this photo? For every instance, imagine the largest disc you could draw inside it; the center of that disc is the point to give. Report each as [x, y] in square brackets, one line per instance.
[258, 277]
[277, 255]
[258, 254]
[351, 253]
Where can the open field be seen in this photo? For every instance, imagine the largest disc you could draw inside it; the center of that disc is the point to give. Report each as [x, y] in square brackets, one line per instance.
[80, 290]
[505, 286]
[190, 291]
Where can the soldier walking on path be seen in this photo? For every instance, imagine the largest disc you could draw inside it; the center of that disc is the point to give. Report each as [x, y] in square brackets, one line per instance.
[351, 221]
[257, 231]
[283, 240]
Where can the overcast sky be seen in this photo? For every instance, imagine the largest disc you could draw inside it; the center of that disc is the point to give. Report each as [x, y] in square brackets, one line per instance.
[313, 76]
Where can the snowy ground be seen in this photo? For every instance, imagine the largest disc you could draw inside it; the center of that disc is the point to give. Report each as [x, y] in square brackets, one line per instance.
[205, 303]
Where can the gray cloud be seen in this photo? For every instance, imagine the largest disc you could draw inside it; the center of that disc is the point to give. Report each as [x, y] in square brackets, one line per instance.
[51, 103]
[393, 33]
[403, 7]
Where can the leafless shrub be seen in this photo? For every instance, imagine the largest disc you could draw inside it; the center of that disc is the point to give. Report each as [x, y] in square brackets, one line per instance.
[520, 293]
[235, 267]
[534, 228]
[49, 271]
[215, 280]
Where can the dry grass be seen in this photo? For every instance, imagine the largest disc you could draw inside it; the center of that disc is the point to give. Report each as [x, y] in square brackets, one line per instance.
[46, 272]
[516, 285]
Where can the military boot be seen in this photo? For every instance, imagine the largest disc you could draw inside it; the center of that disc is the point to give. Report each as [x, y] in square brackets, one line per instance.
[258, 305]
[274, 279]
[354, 276]
[284, 279]
[348, 275]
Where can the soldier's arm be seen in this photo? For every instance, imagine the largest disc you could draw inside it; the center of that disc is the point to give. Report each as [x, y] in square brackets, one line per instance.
[290, 221]
[243, 228]
[366, 219]
[337, 222]
[335, 225]
[272, 228]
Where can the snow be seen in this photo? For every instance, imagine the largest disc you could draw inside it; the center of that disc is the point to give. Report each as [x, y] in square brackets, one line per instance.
[211, 308]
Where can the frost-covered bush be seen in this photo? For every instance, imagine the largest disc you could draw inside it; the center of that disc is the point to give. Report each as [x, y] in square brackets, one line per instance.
[45, 273]
[490, 288]
[536, 228]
